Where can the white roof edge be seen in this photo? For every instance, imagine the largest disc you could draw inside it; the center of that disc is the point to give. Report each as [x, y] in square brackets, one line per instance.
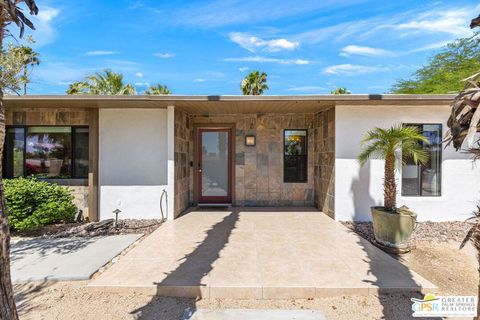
[320, 97]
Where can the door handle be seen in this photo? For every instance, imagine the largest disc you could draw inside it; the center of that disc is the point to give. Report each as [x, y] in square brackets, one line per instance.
[200, 170]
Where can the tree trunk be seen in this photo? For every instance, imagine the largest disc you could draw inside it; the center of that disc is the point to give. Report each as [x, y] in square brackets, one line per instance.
[389, 186]
[8, 311]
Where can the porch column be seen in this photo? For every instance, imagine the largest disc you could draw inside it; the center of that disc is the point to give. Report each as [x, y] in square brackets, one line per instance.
[171, 162]
[93, 166]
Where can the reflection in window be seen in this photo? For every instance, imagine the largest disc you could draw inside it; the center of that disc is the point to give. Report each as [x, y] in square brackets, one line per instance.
[14, 147]
[80, 168]
[425, 180]
[295, 156]
[46, 152]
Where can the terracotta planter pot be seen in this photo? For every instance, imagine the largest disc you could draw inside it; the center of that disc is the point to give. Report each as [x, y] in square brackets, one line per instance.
[393, 230]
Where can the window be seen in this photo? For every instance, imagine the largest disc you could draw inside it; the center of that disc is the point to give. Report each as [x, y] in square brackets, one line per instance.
[425, 180]
[295, 156]
[46, 152]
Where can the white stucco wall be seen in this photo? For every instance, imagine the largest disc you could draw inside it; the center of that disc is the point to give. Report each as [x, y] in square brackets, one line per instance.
[357, 189]
[132, 162]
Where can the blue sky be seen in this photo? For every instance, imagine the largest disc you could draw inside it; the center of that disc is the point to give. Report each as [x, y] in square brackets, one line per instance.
[207, 47]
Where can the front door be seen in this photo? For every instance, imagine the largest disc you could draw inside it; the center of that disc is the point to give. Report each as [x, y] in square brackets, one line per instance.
[214, 165]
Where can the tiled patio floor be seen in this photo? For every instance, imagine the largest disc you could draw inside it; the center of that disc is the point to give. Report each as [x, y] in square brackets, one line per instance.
[257, 253]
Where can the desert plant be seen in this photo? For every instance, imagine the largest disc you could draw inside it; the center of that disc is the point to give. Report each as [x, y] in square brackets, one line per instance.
[443, 72]
[102, 83]
[158, 90]
[464, 124]
[32, 203]
[340, 90]
[473, 235]
[254, 84]
[385, 144]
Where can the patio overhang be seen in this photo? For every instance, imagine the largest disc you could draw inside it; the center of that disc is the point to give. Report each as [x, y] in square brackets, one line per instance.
[217, 104]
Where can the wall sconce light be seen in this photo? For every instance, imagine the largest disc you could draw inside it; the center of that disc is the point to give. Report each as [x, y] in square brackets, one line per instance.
[250, 141]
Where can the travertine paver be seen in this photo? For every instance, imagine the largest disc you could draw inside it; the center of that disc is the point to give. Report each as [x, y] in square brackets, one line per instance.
[257, 253]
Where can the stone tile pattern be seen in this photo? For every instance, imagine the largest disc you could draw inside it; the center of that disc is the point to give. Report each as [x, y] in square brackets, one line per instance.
[81, 198]
[258, 172]
[183, 140]
[324, 161]
[56, 117]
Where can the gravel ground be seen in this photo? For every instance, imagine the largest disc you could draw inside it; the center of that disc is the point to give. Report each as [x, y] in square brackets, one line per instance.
[436, 257]
[125, 226]
[425, 231]
[75, 302]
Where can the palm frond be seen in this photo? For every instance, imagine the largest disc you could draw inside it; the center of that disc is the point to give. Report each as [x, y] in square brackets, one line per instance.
[381, 142]
[102, 83]
[373, 150]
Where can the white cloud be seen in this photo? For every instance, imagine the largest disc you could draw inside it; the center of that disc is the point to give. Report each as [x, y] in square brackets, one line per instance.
[47, 14]
[122, 65]
[365, 51]
[142, 84]
[44, 32]
[265, 59]
[401, 29]
[453, 21]
[243, 69]
[136, 5]
[253, 44]
[59, 73]
[164, 55]
[139, 74]
[431, 46]
[306, 88]
[199, 80]
[298, 61]
[100, 53]
[351, 69]
[217, 13]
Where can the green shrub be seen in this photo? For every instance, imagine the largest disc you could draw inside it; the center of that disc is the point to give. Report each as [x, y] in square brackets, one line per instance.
[32, 203]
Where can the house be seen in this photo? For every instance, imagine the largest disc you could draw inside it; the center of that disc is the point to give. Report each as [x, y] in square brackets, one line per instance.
[125, 152]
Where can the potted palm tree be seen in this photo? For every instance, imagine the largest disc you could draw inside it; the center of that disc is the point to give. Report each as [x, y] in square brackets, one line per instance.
[393, 226]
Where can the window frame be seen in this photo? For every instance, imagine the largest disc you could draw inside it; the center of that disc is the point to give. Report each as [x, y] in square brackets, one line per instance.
[440, 157]
[72, 151]
[305, 156]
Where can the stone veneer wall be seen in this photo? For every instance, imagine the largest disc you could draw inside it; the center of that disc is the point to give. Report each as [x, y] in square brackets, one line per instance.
[324, 161]
[258, 172]
[57, 117]
[183, 141]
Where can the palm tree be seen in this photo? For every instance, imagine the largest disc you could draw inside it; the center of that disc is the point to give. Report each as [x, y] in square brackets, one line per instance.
[158, 90]
[384, 144]
[340, 90]
[102, 83]
[254, 84]
[29, 58]
[10, 12]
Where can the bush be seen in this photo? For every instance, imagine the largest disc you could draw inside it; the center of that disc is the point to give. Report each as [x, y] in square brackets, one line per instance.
[32, 203]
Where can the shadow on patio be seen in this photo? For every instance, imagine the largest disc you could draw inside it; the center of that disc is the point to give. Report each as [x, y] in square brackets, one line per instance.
[395, 303]
[188, 279]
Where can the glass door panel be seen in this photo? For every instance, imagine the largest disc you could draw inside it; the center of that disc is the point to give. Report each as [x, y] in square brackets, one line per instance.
[214, 165]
